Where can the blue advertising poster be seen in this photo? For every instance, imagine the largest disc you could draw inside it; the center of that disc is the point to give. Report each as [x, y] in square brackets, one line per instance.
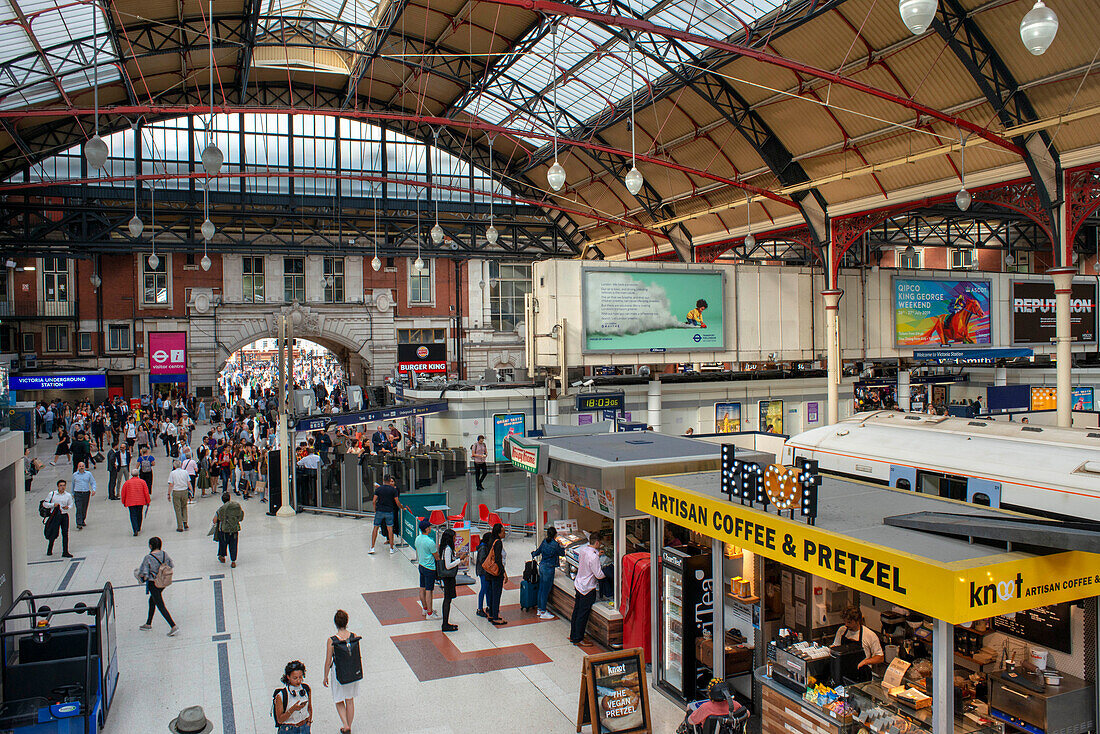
[653, 310]
[1082, 398]
[941, 312]
[507, 424]
[58, 382]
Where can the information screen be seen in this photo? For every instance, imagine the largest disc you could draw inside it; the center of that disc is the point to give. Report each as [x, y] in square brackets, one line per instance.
[57, 382]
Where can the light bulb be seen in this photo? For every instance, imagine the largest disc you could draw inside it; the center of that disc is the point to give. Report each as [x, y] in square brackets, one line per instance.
[492, 235]
[555, 176]
[750, 241]
[917, 14]
[419, 264]
[437, 233]
[1037, 29]
[96, 280]
[963, 199]
[1009, 260]
[633, 180]
[95, 150]
[205, 262]
[136, 226]
[154, 261]
[207, 229]
[212, 159]
[376, 264]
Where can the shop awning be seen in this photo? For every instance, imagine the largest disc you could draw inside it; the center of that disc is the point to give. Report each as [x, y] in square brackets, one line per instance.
[942, 577]
[1022, 531]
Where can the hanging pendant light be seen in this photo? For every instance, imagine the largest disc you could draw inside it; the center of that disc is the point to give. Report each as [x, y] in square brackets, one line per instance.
[207, 229]
[1009, 259]
[492, 235]
[205, 262]
[750, 239]
[96, 280]
[1038, 28]
[212, 157]
[154, 261]
[419, 264]
[917, 14]
[95, 150]
[136, 226]
[376, 264]
[633, 179]
[963, 198]
[437, 233]
[555, 176]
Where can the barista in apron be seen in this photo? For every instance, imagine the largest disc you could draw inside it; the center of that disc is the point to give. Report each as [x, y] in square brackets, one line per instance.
[853, 630]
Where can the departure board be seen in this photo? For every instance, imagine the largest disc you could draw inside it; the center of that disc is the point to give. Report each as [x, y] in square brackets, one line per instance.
[1045, 626]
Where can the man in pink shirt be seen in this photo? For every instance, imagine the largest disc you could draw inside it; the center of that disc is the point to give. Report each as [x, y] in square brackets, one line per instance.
[588, 578]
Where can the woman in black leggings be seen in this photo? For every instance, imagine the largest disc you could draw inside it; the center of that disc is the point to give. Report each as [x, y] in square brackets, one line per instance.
[150, 566]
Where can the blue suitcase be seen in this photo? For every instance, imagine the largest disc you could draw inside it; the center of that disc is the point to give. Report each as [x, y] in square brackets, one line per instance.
[528, 595]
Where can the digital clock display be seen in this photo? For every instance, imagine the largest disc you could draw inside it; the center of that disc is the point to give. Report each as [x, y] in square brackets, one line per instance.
[600, 401]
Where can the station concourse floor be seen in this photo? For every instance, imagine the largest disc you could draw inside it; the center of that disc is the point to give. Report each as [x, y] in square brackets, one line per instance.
[240, 626]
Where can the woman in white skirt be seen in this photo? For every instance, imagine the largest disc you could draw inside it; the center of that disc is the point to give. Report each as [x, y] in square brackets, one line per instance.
[343, 651]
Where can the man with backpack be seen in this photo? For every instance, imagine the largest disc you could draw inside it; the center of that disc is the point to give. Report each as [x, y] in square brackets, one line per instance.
[155, 572]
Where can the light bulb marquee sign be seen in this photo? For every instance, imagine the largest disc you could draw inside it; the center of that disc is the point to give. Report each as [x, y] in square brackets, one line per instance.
[785, 488]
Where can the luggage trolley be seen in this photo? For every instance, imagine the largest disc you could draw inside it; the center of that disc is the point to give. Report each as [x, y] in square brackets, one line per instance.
[59, 669]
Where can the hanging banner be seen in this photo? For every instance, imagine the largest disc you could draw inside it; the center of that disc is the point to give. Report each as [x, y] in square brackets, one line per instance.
[1033, 312]
[653, 310]
[167, 353]
[941, 312]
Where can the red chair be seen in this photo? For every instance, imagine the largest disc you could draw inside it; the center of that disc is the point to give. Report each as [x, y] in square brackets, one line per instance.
[458, 519]
[494, 519]
[483, 513]
[475, 541]
[437, 518]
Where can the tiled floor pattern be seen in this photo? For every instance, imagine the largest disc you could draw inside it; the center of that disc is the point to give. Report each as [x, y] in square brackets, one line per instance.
[432, 655]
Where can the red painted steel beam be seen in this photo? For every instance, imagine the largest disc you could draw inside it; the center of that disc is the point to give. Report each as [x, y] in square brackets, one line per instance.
[22, 188]
[548, 7]
[369, 116]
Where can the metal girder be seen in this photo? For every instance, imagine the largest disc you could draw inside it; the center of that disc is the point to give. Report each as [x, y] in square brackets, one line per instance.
[394, 10]
[789, 18]
[95, 221]
[981, 227]
[252, 28]
[109, 11]
[997, 84]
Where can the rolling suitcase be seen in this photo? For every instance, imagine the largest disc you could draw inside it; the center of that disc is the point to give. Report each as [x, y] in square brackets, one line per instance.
[528, 595]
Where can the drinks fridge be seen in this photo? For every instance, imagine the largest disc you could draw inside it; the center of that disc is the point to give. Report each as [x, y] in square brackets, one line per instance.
[687, 610]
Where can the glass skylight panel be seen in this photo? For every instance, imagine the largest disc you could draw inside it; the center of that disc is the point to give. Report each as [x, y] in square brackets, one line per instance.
[29, 82]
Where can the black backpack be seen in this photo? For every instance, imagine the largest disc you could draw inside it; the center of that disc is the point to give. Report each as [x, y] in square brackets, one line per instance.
[346, 659]
[283, 692]
[482, 553]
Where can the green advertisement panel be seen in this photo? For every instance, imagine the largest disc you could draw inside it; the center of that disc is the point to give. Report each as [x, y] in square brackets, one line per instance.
[653, 310]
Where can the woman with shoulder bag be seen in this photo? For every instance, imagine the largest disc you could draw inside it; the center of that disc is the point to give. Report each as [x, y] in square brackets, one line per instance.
[343, 651]
[155, 582]
[447, 569]
[493, 568]
[55, 516]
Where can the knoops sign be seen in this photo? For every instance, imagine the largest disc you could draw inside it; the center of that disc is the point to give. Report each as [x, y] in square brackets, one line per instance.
[167, 353]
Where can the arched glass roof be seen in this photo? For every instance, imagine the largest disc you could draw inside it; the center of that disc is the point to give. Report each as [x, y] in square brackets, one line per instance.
[323, 150]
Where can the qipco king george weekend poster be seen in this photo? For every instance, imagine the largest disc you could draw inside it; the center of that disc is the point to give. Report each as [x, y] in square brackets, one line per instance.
[653, 310]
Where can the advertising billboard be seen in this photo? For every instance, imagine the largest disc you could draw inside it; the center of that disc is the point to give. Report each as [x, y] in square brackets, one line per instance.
[771, 416]
[506, 424]
[167, 353]
[941, 312]
[727, 417]
[422, 358]
[1082, 398]
[1044, 398]
[653, 310]
[1033, 312]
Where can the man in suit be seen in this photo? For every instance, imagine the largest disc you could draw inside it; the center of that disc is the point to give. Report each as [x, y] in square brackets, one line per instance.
[114, 464]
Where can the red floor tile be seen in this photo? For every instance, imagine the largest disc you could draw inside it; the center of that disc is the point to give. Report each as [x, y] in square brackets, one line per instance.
[432, 655]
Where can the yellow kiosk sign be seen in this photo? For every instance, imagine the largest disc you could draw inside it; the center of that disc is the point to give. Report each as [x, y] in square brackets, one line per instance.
[956, 592]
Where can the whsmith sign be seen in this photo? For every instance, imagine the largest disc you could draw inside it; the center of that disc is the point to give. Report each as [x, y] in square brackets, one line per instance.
[956, 592]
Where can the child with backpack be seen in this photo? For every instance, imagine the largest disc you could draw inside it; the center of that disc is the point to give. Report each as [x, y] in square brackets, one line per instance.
[156, 572]
[291, 705]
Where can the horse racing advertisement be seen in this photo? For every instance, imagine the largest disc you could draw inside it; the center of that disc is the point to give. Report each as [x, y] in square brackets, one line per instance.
[929, 313]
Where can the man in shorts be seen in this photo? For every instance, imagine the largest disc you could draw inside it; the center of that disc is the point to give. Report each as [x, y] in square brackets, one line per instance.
[426, 552]
[386, 507]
